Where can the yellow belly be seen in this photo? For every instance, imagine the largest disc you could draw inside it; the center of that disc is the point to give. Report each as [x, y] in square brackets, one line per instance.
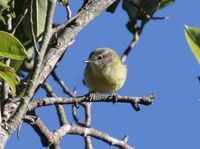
[105, 80]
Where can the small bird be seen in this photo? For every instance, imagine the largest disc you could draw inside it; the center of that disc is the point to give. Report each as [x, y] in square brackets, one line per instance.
[105, 72]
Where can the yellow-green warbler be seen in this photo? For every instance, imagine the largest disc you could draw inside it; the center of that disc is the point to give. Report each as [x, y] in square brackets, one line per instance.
[105, 72]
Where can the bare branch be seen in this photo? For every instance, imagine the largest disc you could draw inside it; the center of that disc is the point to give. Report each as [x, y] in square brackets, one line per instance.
[83, 4]
[32, 29]
[130, 47]
[66, 90]
[54, 138]
[88, 115]
[19, 19]
[40, 129]
[125, 139]
[32, 85]
[55, 146]
[48, 27]
[60, 109]
[78, 130]
[4, 136]
[88, 142]
[134, 101]
[9, 22]
[69, 12]
[61, 114]
[48, 138]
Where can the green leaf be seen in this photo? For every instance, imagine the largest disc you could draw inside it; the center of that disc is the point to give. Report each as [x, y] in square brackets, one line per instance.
[192, 35]
[128, 6]
[141, 10]
[39, 18]
[133, 8]
[28, 63]
[149, 6]
[16, 64]
[11, 47]
[3, 4]
[2, 18]
[164, 3]
[9, 75]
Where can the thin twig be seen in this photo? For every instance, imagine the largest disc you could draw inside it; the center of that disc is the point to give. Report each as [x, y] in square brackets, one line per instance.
[88, 118]
[160, 18]
[19, 19]
[55, 146]
[130, 47]
[40, 128]
[88, 115]
[87, 123]
[48, 27]
[88, 142]
[60, 109]
[32, 28]
[125, 139]
[69, 12]
[78, 130]
[85, 2]
[49, 138]
[62, 84]
[86, 106]
[138, 30]
[134, 101]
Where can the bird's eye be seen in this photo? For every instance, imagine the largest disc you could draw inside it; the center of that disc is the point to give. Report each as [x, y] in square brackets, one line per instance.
[100, 57]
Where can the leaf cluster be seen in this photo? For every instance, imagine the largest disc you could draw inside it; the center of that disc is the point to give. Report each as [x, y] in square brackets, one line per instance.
[139, 10]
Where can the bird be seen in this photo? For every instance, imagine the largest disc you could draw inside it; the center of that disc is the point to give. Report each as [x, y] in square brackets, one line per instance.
[104, 72]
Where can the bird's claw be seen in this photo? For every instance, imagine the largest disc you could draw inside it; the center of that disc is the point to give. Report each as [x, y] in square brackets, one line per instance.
[91, 95]
[114, 97]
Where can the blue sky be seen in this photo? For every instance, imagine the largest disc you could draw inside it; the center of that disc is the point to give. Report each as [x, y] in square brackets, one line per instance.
[161, 63]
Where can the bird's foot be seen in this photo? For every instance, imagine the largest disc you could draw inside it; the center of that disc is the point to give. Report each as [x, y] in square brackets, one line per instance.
[91, 95]
[113, 96]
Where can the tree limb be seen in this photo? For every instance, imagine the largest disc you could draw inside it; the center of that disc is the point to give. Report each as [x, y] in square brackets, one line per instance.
[65, 89]
[40, 128]
[32, 85]
[88, 115]
[53, 138]
[130, 46]
[78, 130]
[60, 109]
[134, 101]
[88, 142]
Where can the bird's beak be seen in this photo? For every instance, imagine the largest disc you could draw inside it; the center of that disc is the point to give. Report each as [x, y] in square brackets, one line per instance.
[88, 61]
